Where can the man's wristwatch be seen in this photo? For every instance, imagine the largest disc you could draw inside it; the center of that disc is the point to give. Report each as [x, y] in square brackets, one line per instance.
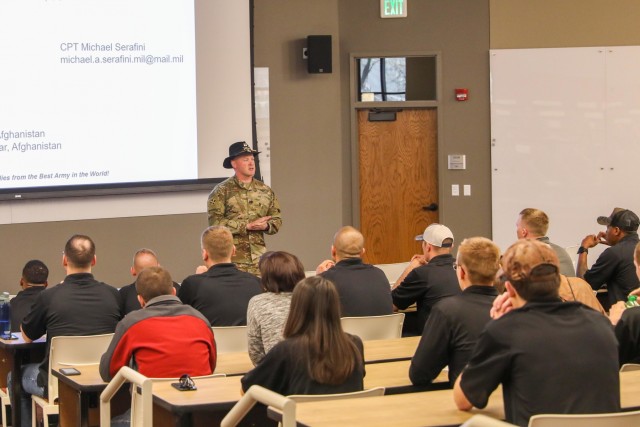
[582, 249]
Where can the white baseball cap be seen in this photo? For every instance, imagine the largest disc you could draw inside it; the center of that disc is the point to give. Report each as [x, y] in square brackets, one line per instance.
[435, 234]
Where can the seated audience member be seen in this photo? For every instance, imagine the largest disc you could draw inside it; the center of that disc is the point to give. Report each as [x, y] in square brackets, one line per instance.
[534, 224]
[455, 323]
[34, 280]
[165, 339]
[142, 259]
[532, 344]
[364, 289]
[316, 356]
[627, 323]
[571, 289]
[80, 305]
[576, 289]
[429, 277]
[267, 312]
[614, 267]
[221, 292]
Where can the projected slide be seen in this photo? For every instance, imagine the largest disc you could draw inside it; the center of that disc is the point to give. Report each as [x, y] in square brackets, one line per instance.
[97, 92]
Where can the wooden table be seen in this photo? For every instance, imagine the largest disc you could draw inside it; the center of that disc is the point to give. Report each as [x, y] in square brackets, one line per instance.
[14, 354]
[214, 397]
[374, 352]
[389, 350]
[428, 408]
[78, 396]
[433, 408]
[233, 363]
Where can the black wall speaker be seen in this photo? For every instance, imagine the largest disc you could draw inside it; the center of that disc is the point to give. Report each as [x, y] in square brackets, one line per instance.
[319, 54]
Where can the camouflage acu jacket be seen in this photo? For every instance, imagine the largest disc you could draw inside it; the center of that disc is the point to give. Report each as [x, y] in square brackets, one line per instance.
[235, 204]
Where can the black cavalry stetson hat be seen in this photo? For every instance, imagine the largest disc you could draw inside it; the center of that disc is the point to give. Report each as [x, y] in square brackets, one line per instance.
[235, 150]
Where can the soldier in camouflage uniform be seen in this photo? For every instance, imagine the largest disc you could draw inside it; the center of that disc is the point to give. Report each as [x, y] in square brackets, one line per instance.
[246, 206]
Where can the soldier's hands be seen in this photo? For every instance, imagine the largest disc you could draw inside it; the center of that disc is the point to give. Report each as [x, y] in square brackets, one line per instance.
[259, 224]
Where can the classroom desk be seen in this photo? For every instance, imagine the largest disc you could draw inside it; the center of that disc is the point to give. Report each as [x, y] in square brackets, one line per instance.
[214, 397]
[233, 363]
[396, 375]
[375, 351]
[387, 350]
[14, 354]
[427, 408]
[78, 396]
[432, 408]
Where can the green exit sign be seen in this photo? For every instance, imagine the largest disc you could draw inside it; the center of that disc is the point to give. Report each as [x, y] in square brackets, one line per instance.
[393, 8]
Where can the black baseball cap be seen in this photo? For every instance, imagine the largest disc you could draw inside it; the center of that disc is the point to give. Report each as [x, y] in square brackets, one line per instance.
[624, 219]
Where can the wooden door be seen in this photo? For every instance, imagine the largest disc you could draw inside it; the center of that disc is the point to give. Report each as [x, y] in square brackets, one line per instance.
[398, 178]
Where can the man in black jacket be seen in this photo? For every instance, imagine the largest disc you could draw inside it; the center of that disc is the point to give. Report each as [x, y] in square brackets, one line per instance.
[220, 292]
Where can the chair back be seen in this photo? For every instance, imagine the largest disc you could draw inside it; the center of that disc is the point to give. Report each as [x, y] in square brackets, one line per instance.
[393, 271]
[630, 367]
[141, 393]
[267, 397]
[374, 327]
[618, 419]
[141, 396]
[480, 420]
[75, 351]
[298, 398]
[230, 339]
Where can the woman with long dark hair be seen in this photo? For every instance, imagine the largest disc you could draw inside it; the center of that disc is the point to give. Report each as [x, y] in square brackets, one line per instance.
[316, 356]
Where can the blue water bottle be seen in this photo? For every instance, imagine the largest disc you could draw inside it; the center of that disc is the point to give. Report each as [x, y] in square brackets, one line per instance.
[5, 316]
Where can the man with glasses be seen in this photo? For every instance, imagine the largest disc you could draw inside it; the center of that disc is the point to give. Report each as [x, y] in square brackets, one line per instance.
[614, 267]
[455, 323]
[550, 356]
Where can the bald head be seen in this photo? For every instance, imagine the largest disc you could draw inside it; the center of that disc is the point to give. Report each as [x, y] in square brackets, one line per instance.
[348, 243]
[79, 252]
[142, 259]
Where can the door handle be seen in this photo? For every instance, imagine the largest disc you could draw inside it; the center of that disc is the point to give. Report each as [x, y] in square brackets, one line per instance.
[432, 207]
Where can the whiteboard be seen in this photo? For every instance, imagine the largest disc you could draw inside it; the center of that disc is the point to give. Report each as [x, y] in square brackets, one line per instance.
[564, 137]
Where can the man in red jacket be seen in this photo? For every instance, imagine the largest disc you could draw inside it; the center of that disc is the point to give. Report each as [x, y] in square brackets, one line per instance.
[165, 339]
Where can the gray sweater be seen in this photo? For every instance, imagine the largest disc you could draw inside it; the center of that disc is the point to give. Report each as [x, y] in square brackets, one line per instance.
[266, 316]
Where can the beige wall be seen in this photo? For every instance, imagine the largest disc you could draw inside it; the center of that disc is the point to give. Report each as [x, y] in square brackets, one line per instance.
[311, 129]
[564, 23]
[459, 31]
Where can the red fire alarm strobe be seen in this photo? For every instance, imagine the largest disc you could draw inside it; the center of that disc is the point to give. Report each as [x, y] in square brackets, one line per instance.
[462, 94]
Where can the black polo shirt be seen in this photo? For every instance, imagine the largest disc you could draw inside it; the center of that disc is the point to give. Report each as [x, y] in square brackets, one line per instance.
[364, 289]
[21, 305]
[221, 294]
[551, 357]
[80, 305]
[614, 267]
[628, 333]
[426, 285]
[129, 297]
[451, 333]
